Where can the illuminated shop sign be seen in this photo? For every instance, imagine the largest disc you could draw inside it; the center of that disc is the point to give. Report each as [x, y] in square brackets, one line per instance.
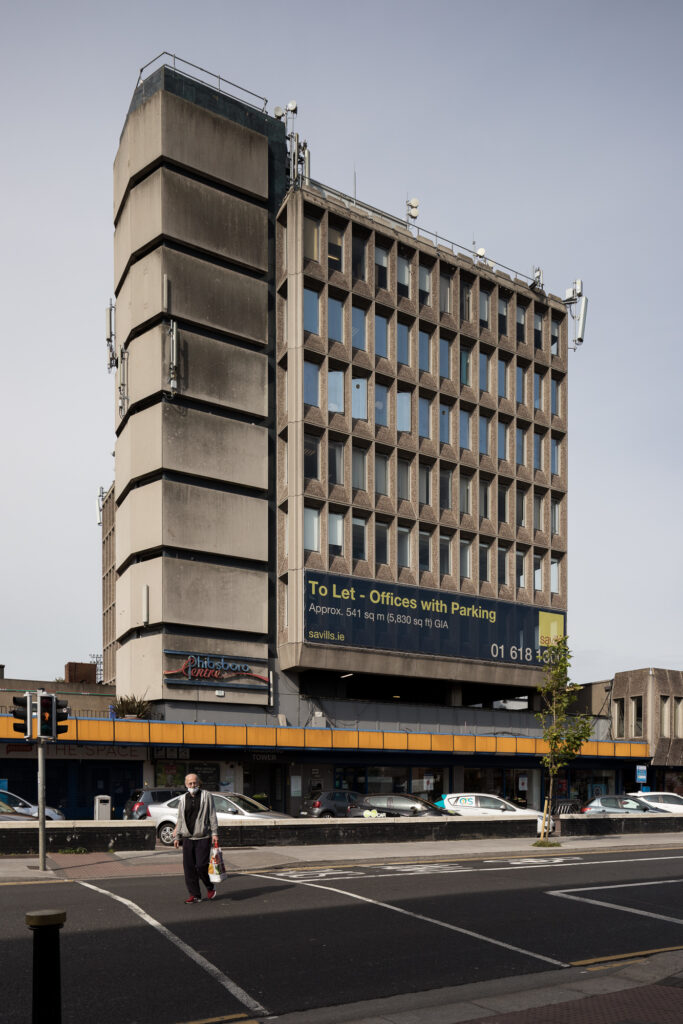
[347, 611]
[216, 670]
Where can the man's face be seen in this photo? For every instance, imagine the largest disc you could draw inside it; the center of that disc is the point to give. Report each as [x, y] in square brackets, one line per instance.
[192, 782]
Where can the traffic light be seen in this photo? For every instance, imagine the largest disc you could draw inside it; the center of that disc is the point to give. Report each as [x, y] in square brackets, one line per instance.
[61, 715]
[46, 715]
[23, 719]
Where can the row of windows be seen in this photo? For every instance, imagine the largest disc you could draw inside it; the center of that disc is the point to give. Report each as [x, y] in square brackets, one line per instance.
[525, 568]
[426, 284]
[398, 406]
[384, 328]
[522, 506]
[670, 716]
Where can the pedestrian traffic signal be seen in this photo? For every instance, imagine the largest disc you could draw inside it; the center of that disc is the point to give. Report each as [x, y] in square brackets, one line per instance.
[46, 715]
[61, 715]
[23, 715]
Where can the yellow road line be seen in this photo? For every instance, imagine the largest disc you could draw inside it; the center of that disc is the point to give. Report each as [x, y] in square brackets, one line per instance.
[623, 956]
[41, 881]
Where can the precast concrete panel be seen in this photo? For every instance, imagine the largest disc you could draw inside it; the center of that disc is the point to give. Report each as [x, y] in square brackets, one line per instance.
[215, 596]
[139, 447]
[139, 595]
[216, 447]
[216, 522]
[139, 667]
[139, 522]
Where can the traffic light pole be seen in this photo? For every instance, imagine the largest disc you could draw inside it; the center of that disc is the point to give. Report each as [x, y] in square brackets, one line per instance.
[41, 805]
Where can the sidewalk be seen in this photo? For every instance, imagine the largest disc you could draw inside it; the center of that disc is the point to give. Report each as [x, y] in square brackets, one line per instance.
[646, 990]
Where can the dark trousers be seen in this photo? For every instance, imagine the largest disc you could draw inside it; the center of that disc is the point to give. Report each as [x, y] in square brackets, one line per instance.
[196, 854]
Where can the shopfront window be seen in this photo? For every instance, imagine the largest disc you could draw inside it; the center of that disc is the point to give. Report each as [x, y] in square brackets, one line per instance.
[429, 783]
[387, 779]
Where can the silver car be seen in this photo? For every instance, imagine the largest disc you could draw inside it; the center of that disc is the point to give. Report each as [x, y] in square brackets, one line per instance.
[487, 805]
[230, 807]
[661, 801]
[620, 803]
[29, 810]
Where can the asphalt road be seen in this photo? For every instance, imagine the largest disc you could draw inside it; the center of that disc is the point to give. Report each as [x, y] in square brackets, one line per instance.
[285, 941]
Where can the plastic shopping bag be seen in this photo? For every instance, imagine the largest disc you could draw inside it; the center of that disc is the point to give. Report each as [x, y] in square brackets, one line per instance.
[217, 872]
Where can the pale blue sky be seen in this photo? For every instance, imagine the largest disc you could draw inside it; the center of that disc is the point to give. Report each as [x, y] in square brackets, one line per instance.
[547, 132]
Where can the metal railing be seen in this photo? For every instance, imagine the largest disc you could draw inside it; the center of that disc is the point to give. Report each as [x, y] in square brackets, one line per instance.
[211, 78]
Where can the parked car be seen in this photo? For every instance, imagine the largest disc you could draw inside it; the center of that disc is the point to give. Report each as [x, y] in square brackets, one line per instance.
[487, 805]
[25, 807]
[139, 800]
[619, 803]
[230, 807]
[671, 802]
[7, 814]
[334, 804]
[393, 805]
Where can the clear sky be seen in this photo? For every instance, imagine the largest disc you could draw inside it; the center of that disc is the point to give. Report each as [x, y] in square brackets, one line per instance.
[548, 132]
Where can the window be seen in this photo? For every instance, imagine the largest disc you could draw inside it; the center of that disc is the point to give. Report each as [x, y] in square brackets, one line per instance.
[403, 479]
[444, 423]
[554, 337]
[335, 540]
[465, 416]
[444, 358]
[538, 450]
[403, 547]
[465, 494]
[359, 398]
[503, 551]
[465, 363]
[358, 258]
[311, 239]
[358, 459]
[619, 722]
[538, 330]
[502, 378]
[521, 323]
[444, 293]
[358, 537]
[424, 543]
[484, 494]
[381, 336]
[381, 473]
[381, 405]
[465, 551]
[519, 385]
[311, 383]
[424, 416]
[538, 390]
[554, 455]
[423, 481]
[554, 575]
[554, 515]
[502, 315]
[538, 571]
[503, 499]
[381, 543]
[335, 247]
[381, 267]
[424, 345]
[403, 276]
[519, 568]
[311, 312]
[484, 424]
[335, 320]
[678, 717]
[311, 529]
[520, 506]
[636, 716]
[484, 308]
[403, 414]
[465, 299]
[483, 371]
[445, 484]
[335, 391]
[402, 344]
[554, 396]
[519, 445]
[311, 456]
[424, 285]
[538, 511]
[502, 440]
[484, 559]
[358, 318]
[445, 554]
[335, 462]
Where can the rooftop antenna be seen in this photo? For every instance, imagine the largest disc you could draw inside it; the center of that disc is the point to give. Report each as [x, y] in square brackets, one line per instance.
[412, 210]
[577, 306]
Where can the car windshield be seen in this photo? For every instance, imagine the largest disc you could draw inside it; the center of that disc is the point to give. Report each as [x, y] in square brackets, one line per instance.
[12, 801]
[245, 803]
[5, 808]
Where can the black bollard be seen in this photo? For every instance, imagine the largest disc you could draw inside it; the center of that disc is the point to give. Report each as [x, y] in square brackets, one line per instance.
[47, 980]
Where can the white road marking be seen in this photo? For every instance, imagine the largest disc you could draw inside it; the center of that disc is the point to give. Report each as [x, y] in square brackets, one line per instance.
[569, 894]
[419, 917]
[243, 997]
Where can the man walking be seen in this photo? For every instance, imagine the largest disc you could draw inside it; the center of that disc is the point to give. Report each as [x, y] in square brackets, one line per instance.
[197, 828]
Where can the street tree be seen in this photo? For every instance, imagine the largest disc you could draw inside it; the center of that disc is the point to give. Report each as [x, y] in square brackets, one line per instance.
[563, 732]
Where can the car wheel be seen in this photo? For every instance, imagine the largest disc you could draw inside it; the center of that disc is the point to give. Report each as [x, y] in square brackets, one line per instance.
[165, 833]
[327, 814]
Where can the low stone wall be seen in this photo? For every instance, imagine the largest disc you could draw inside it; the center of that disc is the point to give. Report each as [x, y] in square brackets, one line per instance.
[572, 825]
[21, 839]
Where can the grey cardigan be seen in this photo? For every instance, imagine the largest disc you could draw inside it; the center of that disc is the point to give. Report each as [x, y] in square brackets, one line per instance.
[206, 823]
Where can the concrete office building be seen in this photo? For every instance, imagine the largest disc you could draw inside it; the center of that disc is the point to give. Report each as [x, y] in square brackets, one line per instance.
[340, 497]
